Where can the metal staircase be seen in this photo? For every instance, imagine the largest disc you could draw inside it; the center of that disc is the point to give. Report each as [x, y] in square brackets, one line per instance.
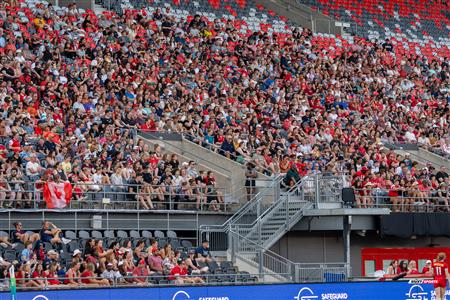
[276, 220]
[260, 223]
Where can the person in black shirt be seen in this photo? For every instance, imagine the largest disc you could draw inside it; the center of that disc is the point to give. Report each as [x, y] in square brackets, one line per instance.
[20, 235]
[167, 25]
[202, 252]
[136, 192]
[50, 233]
[388, 46]
[157, 15]
[442, 175]
[197, 22]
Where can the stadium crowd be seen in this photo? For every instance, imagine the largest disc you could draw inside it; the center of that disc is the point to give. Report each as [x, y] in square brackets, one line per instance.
[76, 87]
[48, 259]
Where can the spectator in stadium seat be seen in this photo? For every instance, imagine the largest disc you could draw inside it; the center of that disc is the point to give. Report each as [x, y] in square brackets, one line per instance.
[192, 264]
[427, 268]
[27, 253]
[412, 268]
[112, 274]
[128, 263]
[141, 273]
[153, 246]
[102, 254]
[443, 196]
[227, 147]
[139, 250]
[179, 274]
[17, 188]
[38, 273]
[88, 277]
[19, 234]
[50, 233]
[33, 168]
[51, 274]
[24, 277]
[73, 275]
[251, 175]
[5, 190]
[442, 175]
[392, 268]
[156, 262]
[402, 267]
[202, 252]
[51, 257]
[139, 192]
[292, 176]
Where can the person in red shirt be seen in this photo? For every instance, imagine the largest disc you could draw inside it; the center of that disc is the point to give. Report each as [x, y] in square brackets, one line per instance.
[440, 275]
[141, 273]
[427, 268]
[23, 277]
[179, 274]
[89, 277]
[52, 274]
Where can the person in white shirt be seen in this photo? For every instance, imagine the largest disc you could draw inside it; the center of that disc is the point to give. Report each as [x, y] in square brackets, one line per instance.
[305, 147]
[117, 180]
[191, 169]
[410, 136]
[111, 274]
[33, 168]
[98, 176]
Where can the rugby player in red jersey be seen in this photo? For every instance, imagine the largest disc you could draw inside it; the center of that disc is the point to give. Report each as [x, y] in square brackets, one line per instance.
[440, 275]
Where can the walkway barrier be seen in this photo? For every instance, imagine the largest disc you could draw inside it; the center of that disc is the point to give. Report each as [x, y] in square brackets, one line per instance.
[28, 194]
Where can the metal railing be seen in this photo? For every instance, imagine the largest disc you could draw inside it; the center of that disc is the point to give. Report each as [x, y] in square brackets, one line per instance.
[272, 266]
[250, 211]
[404, 200]
[28, 194]
[268, 263]
[277, 219]
[216, 149]
[75, 220]
[258, 225]
[118, 280]
[322, 272]
[435, 150]
[192, 155]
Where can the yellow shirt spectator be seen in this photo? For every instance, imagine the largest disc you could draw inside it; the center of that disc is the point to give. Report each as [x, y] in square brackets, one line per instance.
[39, 23]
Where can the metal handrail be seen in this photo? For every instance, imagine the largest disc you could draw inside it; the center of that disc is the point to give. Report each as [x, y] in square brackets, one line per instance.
[187, 136]
[246, 207]
[261, 248]
[182, 150]
[292, 191]
[160, 280]
[30, 194]
[279, 262]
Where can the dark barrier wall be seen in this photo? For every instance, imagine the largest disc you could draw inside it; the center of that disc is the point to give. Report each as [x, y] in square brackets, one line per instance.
[407, 224]
[85, 4]
[357, 291]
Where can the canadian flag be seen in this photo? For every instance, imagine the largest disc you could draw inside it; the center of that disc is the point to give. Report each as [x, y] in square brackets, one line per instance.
[57, 194]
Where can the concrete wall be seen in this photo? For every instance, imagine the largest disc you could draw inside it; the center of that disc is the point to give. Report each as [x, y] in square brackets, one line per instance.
[328, 246]
[423, 157]
[433, 158]
[189, 151]
[85, 4]
[229, 174]
[302, 15]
